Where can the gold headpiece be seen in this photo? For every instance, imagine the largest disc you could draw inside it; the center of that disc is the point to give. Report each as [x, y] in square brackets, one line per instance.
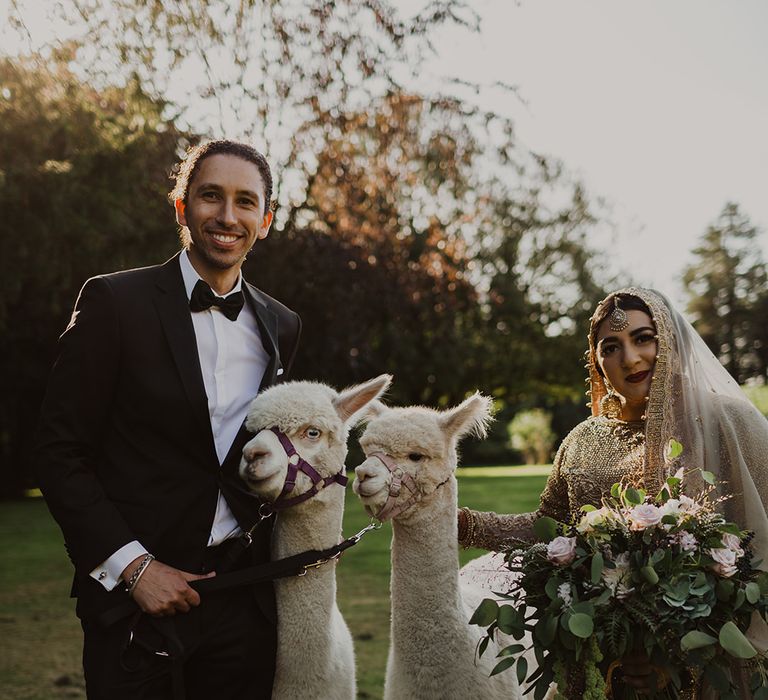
[618, 320]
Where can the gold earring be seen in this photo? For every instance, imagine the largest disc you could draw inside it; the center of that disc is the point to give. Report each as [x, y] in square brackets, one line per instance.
[610, 405]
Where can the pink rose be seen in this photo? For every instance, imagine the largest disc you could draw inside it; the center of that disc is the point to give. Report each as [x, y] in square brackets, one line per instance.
[643, 516]
[562, 550]
[725, 561]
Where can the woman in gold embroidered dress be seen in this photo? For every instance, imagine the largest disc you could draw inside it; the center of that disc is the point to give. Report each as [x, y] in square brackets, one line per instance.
[652, 379]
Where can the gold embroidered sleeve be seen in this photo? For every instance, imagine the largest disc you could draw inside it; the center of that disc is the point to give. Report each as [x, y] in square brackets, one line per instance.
[555, 501]
[499, 532]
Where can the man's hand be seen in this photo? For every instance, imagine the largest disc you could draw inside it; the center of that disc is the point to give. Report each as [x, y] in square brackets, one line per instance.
[163, 590]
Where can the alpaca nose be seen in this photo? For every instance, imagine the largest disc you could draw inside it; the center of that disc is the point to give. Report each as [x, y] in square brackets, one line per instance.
[365, 471]
[252, 453]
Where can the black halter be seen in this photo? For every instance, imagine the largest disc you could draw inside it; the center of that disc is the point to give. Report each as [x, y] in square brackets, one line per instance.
[296, 464]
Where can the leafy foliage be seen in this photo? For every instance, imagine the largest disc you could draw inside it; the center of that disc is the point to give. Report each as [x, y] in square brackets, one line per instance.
[666, 576]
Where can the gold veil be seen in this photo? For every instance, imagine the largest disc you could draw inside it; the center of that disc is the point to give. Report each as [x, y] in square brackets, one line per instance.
[694, 400]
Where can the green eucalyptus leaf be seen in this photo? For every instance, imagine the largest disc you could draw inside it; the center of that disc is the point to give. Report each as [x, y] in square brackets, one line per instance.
[709, 477]
[511, 650]
[509, 619]
[724, 590]
[581, 625]
[522, 669]
[696, 640]
[503, 665]
[674, 450]
[485, 614]
[483, 645]
[588, 508]
[632, 495]
[597, 567]
[545, 528]
[550, 588]
[616, 490]
[735, 643]
[752, 591]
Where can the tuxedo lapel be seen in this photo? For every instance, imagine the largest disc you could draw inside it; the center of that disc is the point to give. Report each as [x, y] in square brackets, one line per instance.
[267, 321]
[173, 309]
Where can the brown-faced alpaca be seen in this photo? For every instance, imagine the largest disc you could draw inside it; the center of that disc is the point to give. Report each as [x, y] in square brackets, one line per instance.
[408, 477]
[315, 658]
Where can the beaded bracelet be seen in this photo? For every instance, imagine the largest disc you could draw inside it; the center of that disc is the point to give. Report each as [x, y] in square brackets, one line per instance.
[138, 573]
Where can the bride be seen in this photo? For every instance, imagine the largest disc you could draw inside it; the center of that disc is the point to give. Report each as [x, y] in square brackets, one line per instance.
[652, 378]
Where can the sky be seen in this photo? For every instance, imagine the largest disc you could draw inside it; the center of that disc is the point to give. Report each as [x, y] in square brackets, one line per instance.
[660, 107]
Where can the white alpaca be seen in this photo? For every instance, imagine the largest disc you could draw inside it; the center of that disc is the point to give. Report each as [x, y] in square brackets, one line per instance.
[315, 658]
[432, 653]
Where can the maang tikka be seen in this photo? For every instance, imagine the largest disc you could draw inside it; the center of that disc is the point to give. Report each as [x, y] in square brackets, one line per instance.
[618, 320]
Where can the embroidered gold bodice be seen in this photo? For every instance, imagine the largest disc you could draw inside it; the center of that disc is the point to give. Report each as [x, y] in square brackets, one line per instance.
[595, 455]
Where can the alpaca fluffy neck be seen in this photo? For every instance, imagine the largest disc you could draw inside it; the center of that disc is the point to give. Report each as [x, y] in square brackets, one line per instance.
[426, 598]
[307, 604]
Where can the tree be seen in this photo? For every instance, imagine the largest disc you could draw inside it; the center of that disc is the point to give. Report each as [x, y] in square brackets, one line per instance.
[83, 174]
[725, 287]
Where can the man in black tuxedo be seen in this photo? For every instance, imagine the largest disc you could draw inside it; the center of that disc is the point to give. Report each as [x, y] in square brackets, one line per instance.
[141, 435]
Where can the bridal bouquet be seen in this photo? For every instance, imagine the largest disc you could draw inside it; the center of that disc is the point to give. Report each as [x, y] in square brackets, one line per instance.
[667, 576]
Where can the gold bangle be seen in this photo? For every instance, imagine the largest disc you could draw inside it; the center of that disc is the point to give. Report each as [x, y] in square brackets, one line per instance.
[469, 538]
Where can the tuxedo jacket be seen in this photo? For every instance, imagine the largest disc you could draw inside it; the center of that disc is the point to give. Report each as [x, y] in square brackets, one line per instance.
[125, 449]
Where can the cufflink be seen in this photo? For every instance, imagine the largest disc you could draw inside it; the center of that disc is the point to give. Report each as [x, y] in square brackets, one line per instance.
[279, 371]
[102, 575]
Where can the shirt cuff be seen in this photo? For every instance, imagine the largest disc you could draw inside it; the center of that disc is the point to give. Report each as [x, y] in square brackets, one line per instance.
[108, 572]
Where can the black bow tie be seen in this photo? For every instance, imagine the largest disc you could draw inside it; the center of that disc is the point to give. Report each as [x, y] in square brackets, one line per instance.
[203, 298]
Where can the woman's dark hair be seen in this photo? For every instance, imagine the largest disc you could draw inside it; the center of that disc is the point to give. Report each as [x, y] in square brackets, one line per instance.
[627, 302]
[186, 169]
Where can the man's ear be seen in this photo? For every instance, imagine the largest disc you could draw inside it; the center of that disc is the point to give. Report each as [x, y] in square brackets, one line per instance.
[266, 222]
[180, 207]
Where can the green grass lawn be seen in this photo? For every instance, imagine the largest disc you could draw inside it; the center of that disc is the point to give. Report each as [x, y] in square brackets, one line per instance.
[40, 637]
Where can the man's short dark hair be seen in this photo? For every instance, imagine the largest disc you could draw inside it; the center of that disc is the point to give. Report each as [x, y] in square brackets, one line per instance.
[186, 169]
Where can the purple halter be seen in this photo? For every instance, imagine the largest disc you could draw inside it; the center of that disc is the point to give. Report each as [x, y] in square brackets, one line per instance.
[296, 464]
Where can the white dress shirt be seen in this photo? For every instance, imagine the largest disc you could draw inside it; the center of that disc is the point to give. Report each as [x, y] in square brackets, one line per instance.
[233, 361]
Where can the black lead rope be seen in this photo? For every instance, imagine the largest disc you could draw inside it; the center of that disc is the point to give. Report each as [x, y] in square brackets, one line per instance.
[296, 565]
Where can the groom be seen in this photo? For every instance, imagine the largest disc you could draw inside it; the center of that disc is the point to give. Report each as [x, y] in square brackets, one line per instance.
[140, 439]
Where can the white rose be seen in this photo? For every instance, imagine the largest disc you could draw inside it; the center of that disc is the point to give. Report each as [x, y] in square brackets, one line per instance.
[733, 542]
[594, 519]
[671, 507]
[725, 561]
[644, 516]
[562, 550]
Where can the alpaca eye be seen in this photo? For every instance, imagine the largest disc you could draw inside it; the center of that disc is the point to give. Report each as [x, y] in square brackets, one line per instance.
[313, 433]
[415, 457]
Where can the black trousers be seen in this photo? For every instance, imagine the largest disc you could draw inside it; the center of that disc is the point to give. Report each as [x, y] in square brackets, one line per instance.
[229, 653]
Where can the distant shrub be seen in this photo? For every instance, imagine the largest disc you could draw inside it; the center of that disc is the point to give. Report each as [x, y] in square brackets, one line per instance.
[530, 432]
[758, 395]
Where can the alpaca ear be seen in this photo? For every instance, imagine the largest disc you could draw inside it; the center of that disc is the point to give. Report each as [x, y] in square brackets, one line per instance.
[352, 400]
[471, 416]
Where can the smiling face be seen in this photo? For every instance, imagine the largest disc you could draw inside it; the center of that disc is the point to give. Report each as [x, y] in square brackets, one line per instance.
[627, 359]
[224, 213]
